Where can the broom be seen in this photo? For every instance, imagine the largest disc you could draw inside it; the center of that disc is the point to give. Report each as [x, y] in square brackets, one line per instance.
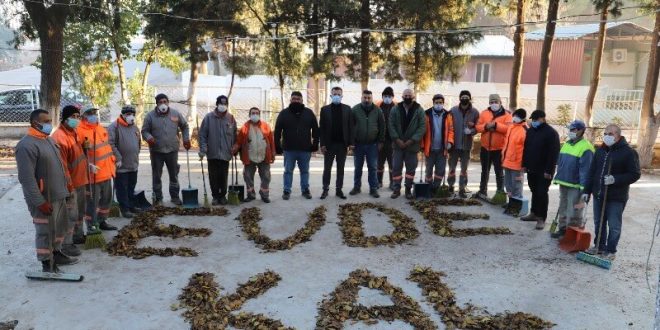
[94, 239]
[114, 206]
[594, 259]
[443, 191]
[500, 196]
[201, 162]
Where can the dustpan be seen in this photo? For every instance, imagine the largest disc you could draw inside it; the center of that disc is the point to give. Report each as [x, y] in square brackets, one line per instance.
[575, 239]
[422, 190]
[235, 192]
[190, 200]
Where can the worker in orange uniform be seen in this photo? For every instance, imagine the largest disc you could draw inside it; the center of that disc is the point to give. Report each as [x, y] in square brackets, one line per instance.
[75, 162]
[437, 141]
[512, 157]
[95, 140]
[493, 124]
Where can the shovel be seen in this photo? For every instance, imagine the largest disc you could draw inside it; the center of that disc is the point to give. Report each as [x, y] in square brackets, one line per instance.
[422, 190]
[236, 192]
[190, 200]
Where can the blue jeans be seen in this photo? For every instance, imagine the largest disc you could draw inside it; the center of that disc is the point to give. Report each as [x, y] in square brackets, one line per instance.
[612, 222]
[290, 159]
[370, 152]
[125, 189]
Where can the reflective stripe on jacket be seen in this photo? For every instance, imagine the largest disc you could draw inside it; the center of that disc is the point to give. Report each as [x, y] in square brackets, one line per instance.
[72, 154]
[99, 153]
[573, 163]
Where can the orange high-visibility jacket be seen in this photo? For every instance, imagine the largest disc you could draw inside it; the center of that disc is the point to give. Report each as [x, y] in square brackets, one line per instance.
[74, 158]
[243, 143]
[448, 132]
[514, 145]
[493, 140]
[100, 153]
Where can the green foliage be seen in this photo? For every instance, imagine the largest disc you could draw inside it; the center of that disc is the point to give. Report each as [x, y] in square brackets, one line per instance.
[139, 96]
[153, 51]
[97, 82]
[239, 57]
[565, 116]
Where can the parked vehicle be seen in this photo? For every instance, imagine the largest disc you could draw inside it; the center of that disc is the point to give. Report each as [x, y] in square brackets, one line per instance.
[16, 104]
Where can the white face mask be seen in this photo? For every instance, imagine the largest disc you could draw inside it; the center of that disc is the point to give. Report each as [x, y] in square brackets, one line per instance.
[609, 140]
[387, 100]
[163, 107]
[495, 107]
[221, 108]
[130, 119]
[254, 118]
[572, 135]
[438, 107]
[517, 120]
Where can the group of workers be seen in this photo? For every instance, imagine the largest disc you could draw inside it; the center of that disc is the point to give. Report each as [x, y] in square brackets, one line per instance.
[67, 175]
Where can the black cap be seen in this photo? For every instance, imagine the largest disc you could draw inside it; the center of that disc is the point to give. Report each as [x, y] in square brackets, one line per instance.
[388, 91]
[128, 109]
[520, 113]
[220, 98]
[438, 97]
[537, 114]
[161, 96]
[68, 111]
[465, 92]
[296, 93]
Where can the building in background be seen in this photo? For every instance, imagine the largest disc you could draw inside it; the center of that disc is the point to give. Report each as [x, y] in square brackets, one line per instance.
[491, 60]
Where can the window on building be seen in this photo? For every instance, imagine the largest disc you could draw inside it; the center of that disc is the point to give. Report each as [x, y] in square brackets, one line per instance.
[483, 72]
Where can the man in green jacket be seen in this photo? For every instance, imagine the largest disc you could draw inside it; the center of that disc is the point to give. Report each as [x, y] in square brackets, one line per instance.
[369, 134]
[407, 127]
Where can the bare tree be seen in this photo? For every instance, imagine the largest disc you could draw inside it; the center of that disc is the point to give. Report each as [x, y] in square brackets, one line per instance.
[544, 70]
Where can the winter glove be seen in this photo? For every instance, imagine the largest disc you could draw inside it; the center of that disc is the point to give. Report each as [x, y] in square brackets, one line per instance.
[186, 145]
[93, 168]
[45, 208]
[151, 141]
[585, 198]
[118, 164]
[467, 131]
[201, 155]
[608, 180]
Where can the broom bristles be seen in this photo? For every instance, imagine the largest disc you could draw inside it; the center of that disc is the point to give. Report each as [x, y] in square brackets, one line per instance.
[114, 211]
[594, 260]
[94, 241]
[499, 198]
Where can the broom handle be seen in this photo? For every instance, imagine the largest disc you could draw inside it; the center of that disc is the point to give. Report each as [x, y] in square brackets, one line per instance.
[201, 160]
[602, 207]
[188, 164]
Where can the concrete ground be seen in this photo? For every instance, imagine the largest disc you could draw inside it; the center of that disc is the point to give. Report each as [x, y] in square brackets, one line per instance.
[521, 272]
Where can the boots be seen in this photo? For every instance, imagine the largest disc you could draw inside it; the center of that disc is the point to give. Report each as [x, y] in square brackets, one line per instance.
[340, 194]
[104, 225]
[409, 194]
[70, 250]
[45, 267]
[529, 217]
[62, 259]
[324, 194]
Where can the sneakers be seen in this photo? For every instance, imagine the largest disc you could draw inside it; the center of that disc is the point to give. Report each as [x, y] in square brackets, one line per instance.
[540, 224]
[176, 201]
[79, 239]
[286, 195]
[409, 194]
[307, 194]
[104, 225]
[374, 193]
[340, 194]
[70, 250]
[215, 202]
[395, 194]
[610, 256]
[324, 194]
[158, 202]
[462, 193]
[265, 199]
[223, 200]
[529, 217]
[62, 259]
[593, 251]
[481, 195]
[559, 233]
[136, 210]
[45, 267]
[354, 191]
[249, 198]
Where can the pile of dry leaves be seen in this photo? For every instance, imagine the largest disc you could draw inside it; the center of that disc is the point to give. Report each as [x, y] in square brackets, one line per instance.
[352, 229]
[146, 224]
[206, 309]
[455, 317]
[342, 305]
[441, 222]
[249, 220]
[6, 152]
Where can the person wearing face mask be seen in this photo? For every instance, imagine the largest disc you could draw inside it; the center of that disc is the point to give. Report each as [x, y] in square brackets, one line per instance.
[75, 163]
[615, 165]
[539, 160]
[257, 146]
[493, 125]
[125, 143]
[438, 140]
[46, 185]
[102, 168]
[369, 134]
[407, 126]
[465, 118]
[335, 127]
[572, 168]
[512, 156]
[385, 154]
[217, 136]
[161, 131]
[296, 136]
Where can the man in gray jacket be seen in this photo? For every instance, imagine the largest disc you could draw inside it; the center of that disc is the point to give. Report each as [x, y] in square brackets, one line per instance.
[125, 143]
[465, 119]
[216, 138]
[46, 186]
[160, 130]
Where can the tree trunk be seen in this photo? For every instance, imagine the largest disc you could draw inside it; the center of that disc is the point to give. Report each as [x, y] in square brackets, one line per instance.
[203, 68]
[317, 66]
[233, 68]
[417, 58]
[553, 9]
[365, 40]
[595, 75]
[140, 108]
[215, 59]
[192, 91]
[50, 25]
[650, 122]
[119, 61]
[518, 52]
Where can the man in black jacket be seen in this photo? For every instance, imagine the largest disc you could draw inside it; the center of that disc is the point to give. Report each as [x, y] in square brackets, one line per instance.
[296, 136]
[614, 168]
[385, 154]
[336, 127]
[539, 161]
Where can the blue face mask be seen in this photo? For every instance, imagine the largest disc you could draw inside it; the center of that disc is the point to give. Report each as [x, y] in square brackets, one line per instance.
[46, 128]
[92, 119]
[72, 122]
[336, 99]
[536, 124]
